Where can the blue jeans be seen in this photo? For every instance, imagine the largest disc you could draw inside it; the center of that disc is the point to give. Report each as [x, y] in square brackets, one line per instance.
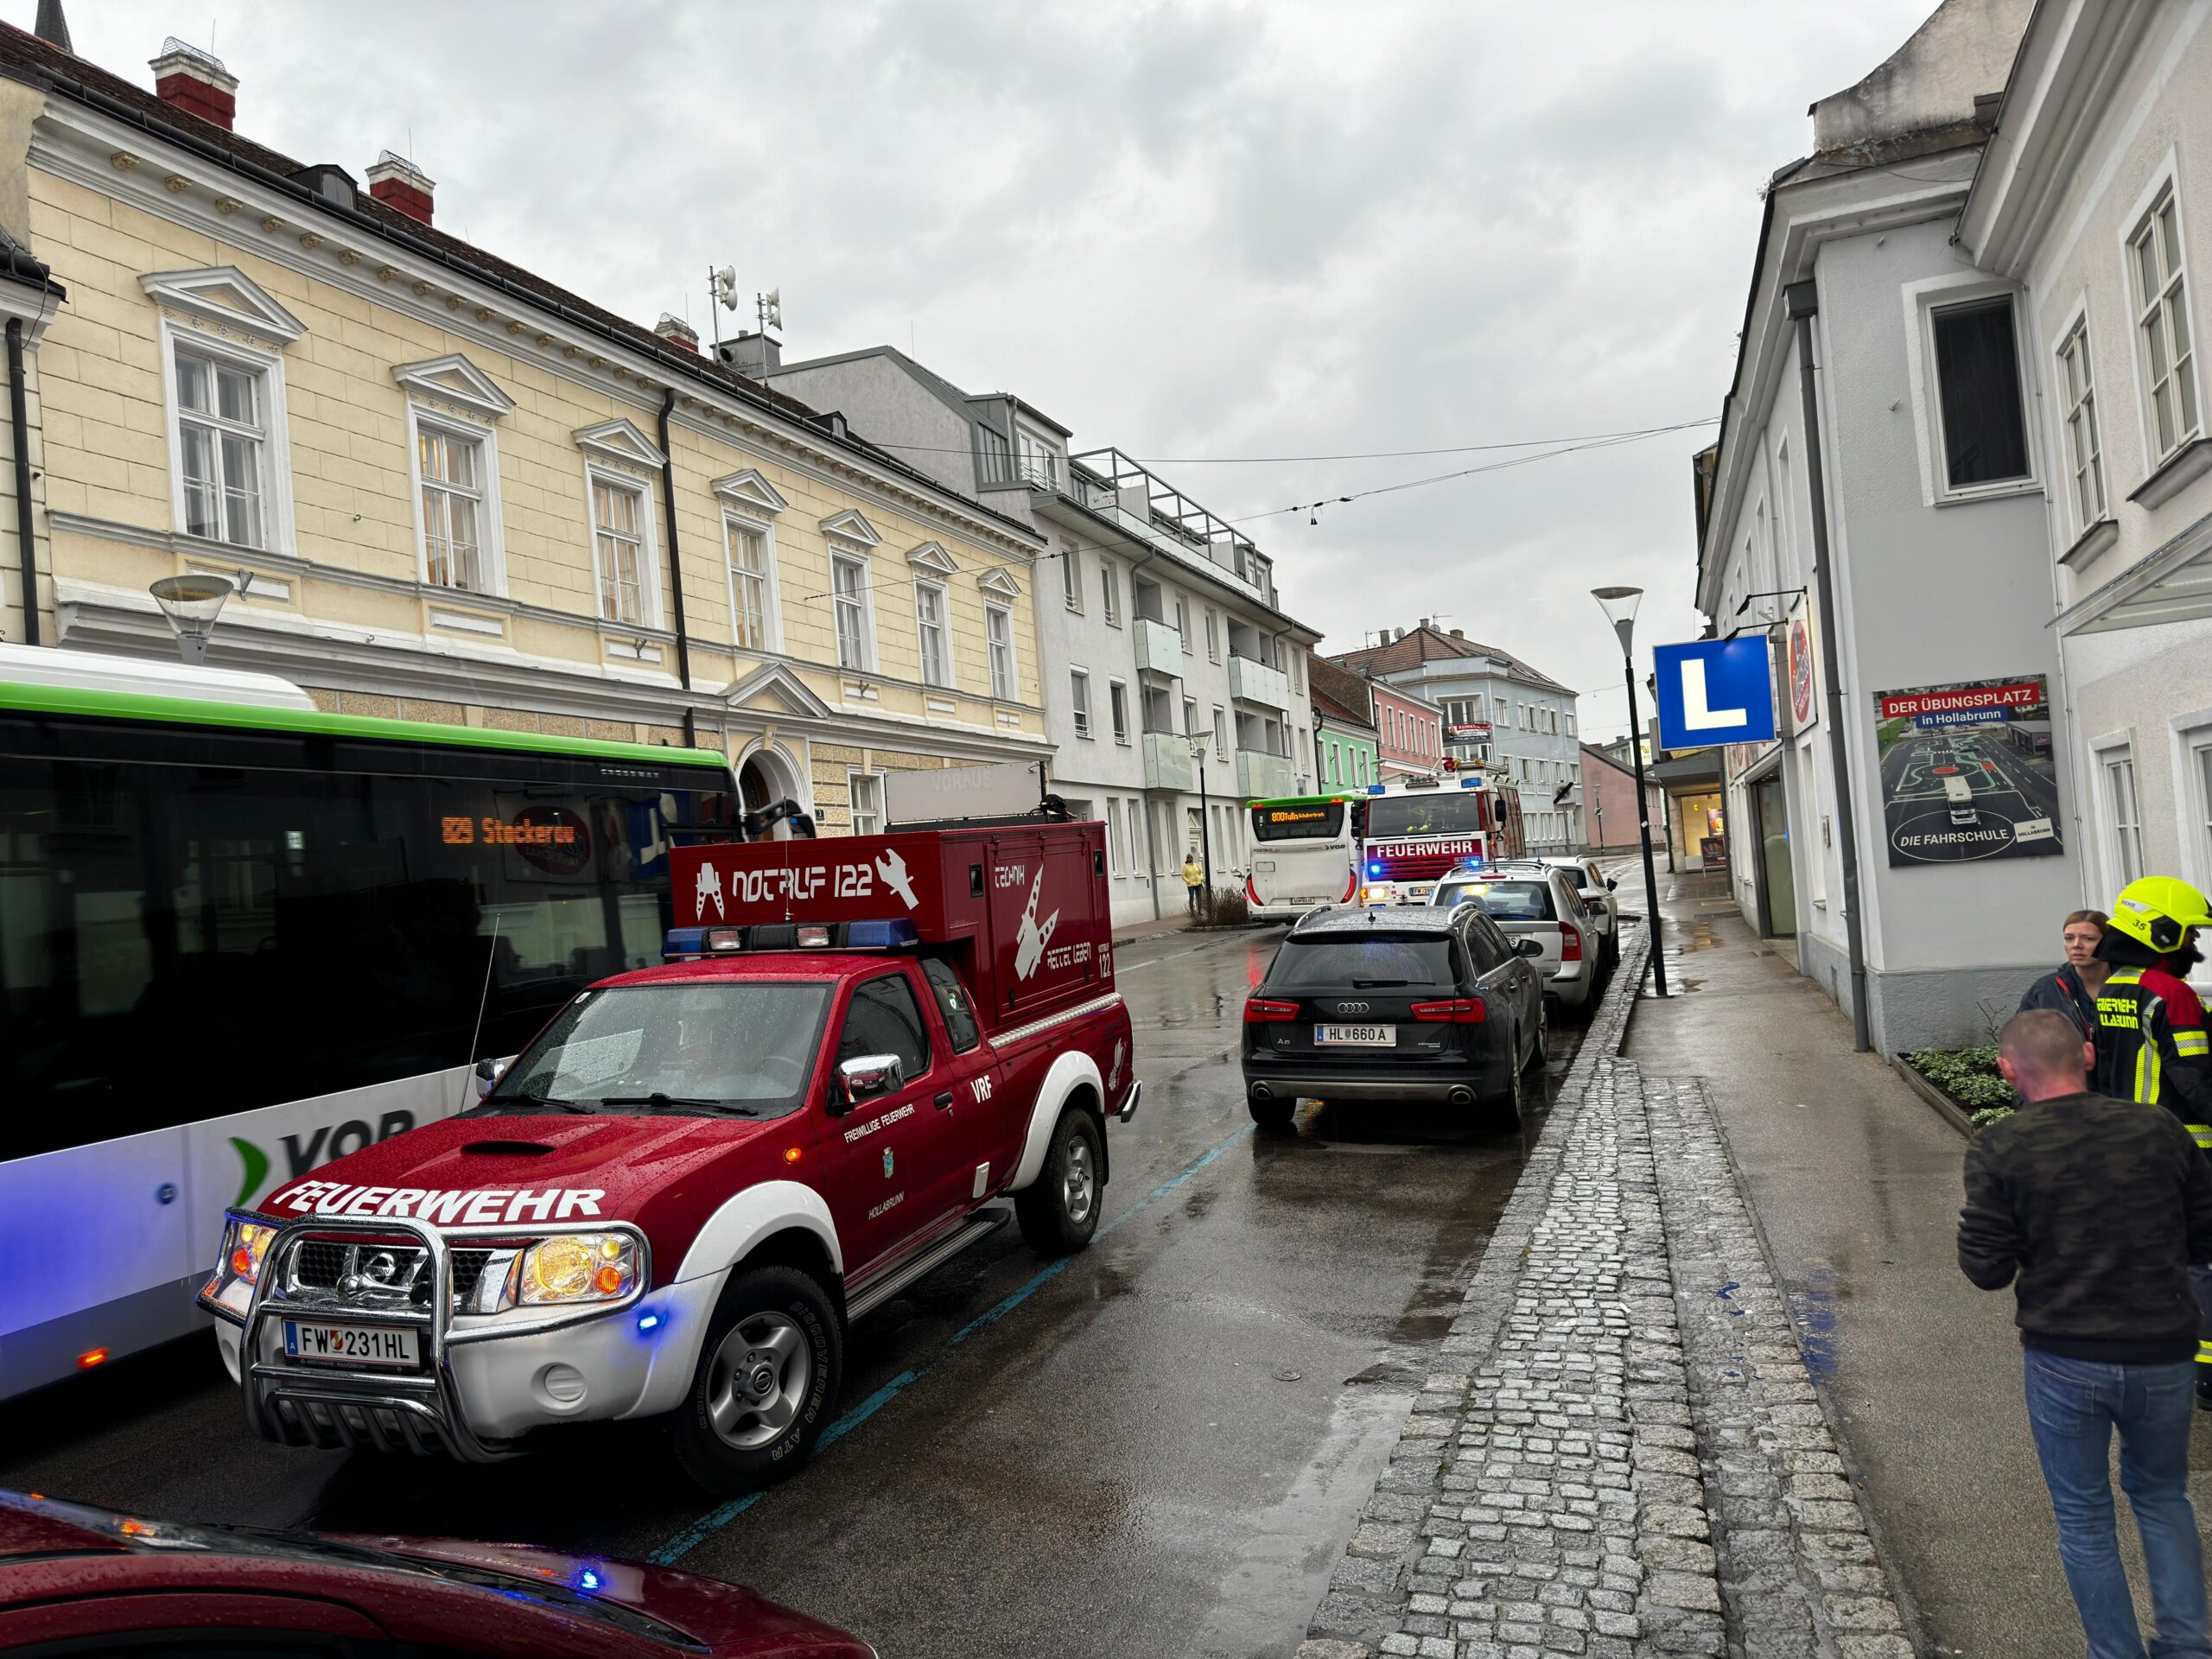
[2073, 1407]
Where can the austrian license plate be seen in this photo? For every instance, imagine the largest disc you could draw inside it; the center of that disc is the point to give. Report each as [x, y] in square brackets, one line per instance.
[348, 1345]
[1357, 1036]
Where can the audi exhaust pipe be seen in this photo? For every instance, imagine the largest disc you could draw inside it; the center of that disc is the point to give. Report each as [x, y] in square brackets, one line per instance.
[1263, 1091]
[1462, 1097]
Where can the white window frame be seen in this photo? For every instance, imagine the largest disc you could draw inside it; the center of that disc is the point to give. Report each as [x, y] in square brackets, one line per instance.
[2074, 340]
[1213, 635]
[851, 555]
[946, 667]
[490, 537]
[1923, 300]
[2164, 183]
[1115, 864]
[1183, 623]
[1220, 733]
[2106, 752]
[1117, 709]
[855, 775]
[277, 444]
[1071, 578]
[2191, 755]
[1110, 592]
[1006, 689]
[648, 546]
[771, 613]
[1079, 702]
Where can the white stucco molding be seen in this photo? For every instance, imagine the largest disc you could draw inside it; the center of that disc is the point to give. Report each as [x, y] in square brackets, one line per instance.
[619, 440]
[776, 683]
[998, 579]
[750, 492]
[453, 379]
[851, 525]
[227, 295]
[929, 557]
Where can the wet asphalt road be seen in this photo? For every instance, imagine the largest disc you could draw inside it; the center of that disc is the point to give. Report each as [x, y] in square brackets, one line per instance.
[1158, 1445]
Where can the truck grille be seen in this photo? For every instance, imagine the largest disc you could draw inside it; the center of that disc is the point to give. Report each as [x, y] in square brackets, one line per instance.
[320, 1264]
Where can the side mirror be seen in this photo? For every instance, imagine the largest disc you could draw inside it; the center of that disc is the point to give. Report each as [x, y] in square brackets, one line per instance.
[1610, 884]
[488, 1073]
[866, 1075]
[1529, 948]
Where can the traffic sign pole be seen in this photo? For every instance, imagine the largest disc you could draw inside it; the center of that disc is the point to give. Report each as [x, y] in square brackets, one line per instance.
[1643, 822]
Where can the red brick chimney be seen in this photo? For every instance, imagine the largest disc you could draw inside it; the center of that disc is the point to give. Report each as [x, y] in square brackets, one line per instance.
[196, 82]
[400, 185]
[677, 332]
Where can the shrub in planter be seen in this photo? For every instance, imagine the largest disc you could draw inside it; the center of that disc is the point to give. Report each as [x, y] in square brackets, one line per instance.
[1224, 907]
[1967, 1075]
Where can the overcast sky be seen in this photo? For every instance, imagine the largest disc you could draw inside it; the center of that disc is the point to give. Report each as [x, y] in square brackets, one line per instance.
[1216, 231]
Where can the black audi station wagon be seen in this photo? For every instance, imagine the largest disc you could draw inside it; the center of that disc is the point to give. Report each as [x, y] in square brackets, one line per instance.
[1400, 1003]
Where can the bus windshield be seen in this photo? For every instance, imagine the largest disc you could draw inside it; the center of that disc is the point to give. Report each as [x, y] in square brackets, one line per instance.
[1432, 812]
[1298, 820]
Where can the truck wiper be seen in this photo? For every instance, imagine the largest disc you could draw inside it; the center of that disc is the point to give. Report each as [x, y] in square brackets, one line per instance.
[679, 1102]
[544, 1102]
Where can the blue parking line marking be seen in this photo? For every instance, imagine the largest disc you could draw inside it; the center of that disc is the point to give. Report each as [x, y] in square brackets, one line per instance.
[714, 1520]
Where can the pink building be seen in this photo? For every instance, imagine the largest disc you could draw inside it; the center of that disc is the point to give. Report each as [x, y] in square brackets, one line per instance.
[1409, 734]
[1609, 802]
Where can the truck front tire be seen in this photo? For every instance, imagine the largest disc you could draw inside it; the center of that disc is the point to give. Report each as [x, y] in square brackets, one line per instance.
[1058, 1212]
[768, 1377]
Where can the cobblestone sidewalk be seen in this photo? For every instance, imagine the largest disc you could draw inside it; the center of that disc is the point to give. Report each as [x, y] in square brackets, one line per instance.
[1621, 1453]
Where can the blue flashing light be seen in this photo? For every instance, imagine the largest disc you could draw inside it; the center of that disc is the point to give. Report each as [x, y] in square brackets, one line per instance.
[881, 936]
[1471, 783]
[684, 941]
[1375, 870]
[1374, 789]
[648, 1321]
[586, 1580]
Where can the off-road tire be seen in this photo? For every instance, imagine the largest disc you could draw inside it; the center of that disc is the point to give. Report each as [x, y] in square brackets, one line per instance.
[1272, 1116]
[1058, 1212]
[765, 1300]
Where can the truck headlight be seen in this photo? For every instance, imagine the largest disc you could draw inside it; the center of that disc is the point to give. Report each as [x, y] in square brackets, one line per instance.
[578, 1268]
[245, 1244]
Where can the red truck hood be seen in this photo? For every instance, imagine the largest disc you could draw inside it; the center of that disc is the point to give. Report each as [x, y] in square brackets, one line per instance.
[465, 1172]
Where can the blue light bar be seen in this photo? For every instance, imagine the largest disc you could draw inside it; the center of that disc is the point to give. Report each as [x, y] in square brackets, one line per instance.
[1374, 789]
[1471, 783]
[881, 936]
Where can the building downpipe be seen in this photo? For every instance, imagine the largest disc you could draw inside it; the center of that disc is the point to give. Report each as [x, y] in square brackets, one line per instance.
[1801, 302]
[19, 421]
[676, 567]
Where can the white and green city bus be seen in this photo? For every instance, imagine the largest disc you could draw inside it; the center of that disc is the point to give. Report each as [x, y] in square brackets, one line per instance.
[239, 937]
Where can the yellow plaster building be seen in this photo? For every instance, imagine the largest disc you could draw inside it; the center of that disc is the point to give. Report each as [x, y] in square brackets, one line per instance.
[462, 494]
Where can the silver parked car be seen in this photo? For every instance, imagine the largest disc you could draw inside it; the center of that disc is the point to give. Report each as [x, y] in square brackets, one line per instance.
[1596, 890]
[1534, 901]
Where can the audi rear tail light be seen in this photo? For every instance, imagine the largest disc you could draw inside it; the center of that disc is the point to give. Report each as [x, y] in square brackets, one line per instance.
[1261, 1011]
[1570, 944]
[1459, 1011]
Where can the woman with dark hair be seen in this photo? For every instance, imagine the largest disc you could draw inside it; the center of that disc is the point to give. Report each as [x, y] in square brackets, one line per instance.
[2072, 990]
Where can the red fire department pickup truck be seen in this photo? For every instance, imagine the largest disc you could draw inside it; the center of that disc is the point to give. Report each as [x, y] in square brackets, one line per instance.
[674, 1201]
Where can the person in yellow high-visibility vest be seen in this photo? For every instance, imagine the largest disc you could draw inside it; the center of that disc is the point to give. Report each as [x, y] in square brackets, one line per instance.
[1194, 877]
[2150, 1039]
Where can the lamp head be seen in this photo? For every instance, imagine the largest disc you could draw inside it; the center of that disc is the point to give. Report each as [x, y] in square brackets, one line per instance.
[192, 602]
[1619, 606]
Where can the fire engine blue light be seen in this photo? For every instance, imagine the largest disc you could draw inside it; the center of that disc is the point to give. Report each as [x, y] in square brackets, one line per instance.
[1471, 783]
[587, 1580]
[881, 935]
[682, 942]
[647, 1321]
[1374, 789]
[1375, 870]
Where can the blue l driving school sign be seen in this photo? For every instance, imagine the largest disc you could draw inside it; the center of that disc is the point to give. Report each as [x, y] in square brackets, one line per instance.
[1714, 691]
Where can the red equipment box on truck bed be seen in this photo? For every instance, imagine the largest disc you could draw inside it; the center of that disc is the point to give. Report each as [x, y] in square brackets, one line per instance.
[1024, 908]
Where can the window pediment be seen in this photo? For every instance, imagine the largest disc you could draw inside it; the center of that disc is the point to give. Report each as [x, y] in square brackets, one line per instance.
[749, 490]
[931, 557]
[225, 297]
[455, 379]
[772, 688]
[619, 440]
[998, 579]
[850, 527]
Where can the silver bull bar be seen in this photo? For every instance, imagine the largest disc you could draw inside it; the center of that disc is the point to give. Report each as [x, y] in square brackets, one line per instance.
[333, 1406]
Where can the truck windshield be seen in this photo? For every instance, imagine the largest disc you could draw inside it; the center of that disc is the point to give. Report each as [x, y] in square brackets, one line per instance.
[1431, 812]
[746, 1048]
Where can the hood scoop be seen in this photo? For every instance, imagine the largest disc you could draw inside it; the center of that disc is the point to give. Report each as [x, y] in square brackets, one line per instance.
[507, 1149]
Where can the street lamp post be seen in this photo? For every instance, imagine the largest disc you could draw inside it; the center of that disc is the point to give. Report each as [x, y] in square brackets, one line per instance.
[1619, 605]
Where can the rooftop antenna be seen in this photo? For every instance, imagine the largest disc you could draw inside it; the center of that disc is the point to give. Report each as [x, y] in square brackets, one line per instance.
[722, 287]
[769, 307]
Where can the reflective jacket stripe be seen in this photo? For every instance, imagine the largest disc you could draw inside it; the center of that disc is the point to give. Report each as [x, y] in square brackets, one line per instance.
[2191, 1043]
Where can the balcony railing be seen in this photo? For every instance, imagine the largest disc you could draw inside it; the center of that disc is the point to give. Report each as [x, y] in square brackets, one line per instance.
[1159, 648]
[1167, 761]
[1261, 776]
[1255, 681]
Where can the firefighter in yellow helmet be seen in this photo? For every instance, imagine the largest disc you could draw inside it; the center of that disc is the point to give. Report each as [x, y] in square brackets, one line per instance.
[2150, 1039]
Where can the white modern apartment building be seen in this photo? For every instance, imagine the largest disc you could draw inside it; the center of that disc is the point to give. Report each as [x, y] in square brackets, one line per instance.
[1174, 685]
[1499, 713]
[2091, 209]
[1875, 507]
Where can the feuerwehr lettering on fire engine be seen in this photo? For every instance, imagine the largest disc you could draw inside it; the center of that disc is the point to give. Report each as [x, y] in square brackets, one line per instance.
[1030, 943]
[471, 1207]
[875, 1123]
